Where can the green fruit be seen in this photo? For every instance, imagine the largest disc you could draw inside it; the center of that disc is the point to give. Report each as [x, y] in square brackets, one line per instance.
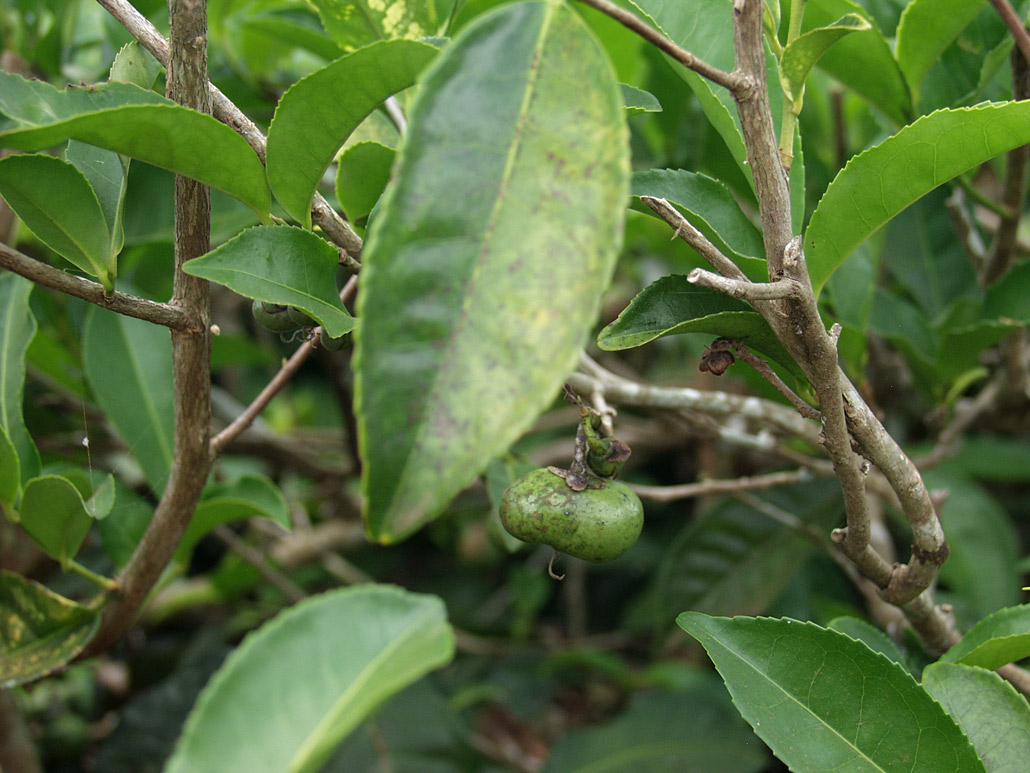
[598, 524]
[272, 317]
[300, 319]
[334, 344]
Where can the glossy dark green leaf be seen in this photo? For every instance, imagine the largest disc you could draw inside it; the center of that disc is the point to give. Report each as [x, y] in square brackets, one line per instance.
[54, 513]
[871, 636]
[486, 262]
[862, 60]
[926, 28]
[319, 112]
[673, 306]
[40, 631]
[17, 328]
[639, 101]
[993, 715]
[735, 560]
[246, 497]
[825, 702]
[709, 206]
[57, 202]
[126, 119]
[128, 364]
[355, 23]
[879, 183]
[664, 731]
[280, 264]
[362, 173]
[328, 661]
[802, 53]
[996, 640]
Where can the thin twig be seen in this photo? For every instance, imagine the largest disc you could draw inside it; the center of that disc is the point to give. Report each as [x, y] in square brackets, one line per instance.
[123, 303]
[782, 289]
[1015, 24]
[729, 80]
[765, 371]
[708, 487]
[273, 387]
[694, 238]
[323, 215]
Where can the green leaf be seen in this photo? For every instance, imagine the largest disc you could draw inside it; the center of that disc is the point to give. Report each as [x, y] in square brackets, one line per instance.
[993, 715]
[638, 101]
[319, 112]
[704, 28]
[862, 60]
[328, 661]
[1009, 297]
[824, 702]
[735, 560]
[801, 54]
[996, 640]
[994, 458]
[486, 262]
[710, 207]
[280, 264]
[123, 528]
[10, 473]
[249, 496]
[870, 636]
[691, 729]
[17, 328]
[128, 363]
[361, 176]
[54, 513]
[927, 27]
[976, 525]
[108, 174]
[880, 182]
[354, 23]
[673, 306]
[57, 202]
[134, 64]
[295, 27]
[40, 631]
[135, 122]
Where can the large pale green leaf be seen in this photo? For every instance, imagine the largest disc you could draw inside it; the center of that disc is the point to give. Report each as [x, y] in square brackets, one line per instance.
[862, 60]
[801, 54]
[56, 201]
[280, 264]
[825, 702]
[673, 306]
[709, 206]
[40, 631]
[17, 328]
[135, 122]
[246, 497]
[879, 183]
[990, 711]
[319, 112]
[57, 516]
[694, 729]
[354, 23]
[996, 640]
[927, 27]
[128, 364]
[296, 687]
[485, 264]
